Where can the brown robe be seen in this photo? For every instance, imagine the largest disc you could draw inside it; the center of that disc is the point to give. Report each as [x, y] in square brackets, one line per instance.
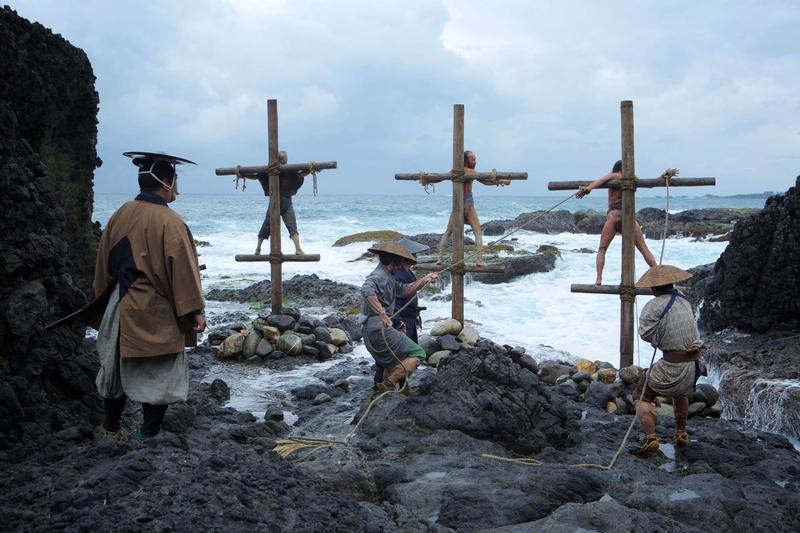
[148, 252]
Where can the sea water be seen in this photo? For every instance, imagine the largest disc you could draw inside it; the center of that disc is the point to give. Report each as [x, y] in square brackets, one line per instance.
[533, 311]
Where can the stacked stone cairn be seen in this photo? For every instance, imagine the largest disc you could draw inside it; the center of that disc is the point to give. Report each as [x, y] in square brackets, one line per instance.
[275, 336]
[601, 385]
[445, 339]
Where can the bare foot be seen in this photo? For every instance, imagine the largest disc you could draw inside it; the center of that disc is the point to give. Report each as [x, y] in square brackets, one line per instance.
[298, 251]
[480, 263]
[258, 251]
[598, 281]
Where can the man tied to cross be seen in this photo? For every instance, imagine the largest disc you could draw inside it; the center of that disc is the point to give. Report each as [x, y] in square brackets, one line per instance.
[470, 213]
[291, 181]
[613, 225]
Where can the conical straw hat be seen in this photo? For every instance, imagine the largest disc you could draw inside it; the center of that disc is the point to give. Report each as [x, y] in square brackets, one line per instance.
[394, 248]
[413, 246]
[662, 275]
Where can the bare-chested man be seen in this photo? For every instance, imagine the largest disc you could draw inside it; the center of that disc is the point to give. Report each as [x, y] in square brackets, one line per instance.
[470, 214]
[613, 224]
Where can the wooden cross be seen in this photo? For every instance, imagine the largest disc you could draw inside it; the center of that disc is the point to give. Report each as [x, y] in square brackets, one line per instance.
[457, 176]
[628, 183]
[275, 257]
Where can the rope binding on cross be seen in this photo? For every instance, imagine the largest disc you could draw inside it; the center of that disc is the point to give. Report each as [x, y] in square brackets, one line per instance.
[427, 185]
[239, 177]
[313, 171]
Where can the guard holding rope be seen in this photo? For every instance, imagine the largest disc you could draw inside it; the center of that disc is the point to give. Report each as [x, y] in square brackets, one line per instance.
[290, 184]
[396, 356]
[668, 323]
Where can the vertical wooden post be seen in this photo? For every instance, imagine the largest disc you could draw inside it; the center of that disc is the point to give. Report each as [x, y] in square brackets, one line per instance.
[628, 186]
[274, 209]
[457, 275]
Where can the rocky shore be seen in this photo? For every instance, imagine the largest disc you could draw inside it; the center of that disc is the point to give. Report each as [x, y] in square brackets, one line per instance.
[417, 463]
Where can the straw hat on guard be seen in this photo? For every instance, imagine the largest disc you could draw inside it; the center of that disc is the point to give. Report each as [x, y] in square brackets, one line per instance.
[661, 275]
[394, 248]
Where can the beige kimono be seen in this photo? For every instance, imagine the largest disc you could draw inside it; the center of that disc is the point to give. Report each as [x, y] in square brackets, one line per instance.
[148, 249]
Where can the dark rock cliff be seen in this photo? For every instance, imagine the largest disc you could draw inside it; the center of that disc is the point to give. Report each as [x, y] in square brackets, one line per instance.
[49, 84]
[755, 284]
[48, 110]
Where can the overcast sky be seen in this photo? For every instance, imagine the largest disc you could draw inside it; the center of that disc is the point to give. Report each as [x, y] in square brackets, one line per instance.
[715, 85]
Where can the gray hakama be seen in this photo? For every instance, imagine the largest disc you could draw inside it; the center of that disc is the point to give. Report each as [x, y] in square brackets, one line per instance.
[158, 380]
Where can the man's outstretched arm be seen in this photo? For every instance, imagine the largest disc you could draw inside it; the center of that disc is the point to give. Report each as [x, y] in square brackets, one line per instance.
[597, 183]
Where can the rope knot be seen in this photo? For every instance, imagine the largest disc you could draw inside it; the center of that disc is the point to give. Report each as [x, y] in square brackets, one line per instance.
[274, 168]
[457, 175]
[627, 293]
[627, 184]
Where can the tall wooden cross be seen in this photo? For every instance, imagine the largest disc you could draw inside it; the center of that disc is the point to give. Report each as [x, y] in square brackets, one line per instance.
[457, 176]
[275, 257]
[628, 184]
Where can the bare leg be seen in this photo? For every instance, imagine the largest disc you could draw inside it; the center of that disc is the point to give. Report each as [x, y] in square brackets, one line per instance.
[606, 236]
[443, 242]
[258, 246]
[642, 247]
[296, 240]
[647, 418]
[475, 224]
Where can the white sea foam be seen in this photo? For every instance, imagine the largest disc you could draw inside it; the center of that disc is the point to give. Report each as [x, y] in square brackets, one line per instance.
[533, 310]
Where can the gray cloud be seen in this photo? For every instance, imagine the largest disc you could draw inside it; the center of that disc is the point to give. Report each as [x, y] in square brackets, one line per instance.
[372, 84]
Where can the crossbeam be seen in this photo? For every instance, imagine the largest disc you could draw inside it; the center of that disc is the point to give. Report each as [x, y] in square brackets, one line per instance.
[640, 183]
[253, 172]
[437, 177]
[605, 289]
[283, 258]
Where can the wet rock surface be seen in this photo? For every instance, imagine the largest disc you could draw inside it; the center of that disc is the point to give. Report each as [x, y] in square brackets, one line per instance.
[210, 468]
[425, 454]
[304, 291]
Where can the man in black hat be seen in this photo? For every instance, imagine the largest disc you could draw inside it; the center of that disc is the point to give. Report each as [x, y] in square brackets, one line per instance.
[393, 352]
[613, 225]
[290, 184]
[149, 299]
